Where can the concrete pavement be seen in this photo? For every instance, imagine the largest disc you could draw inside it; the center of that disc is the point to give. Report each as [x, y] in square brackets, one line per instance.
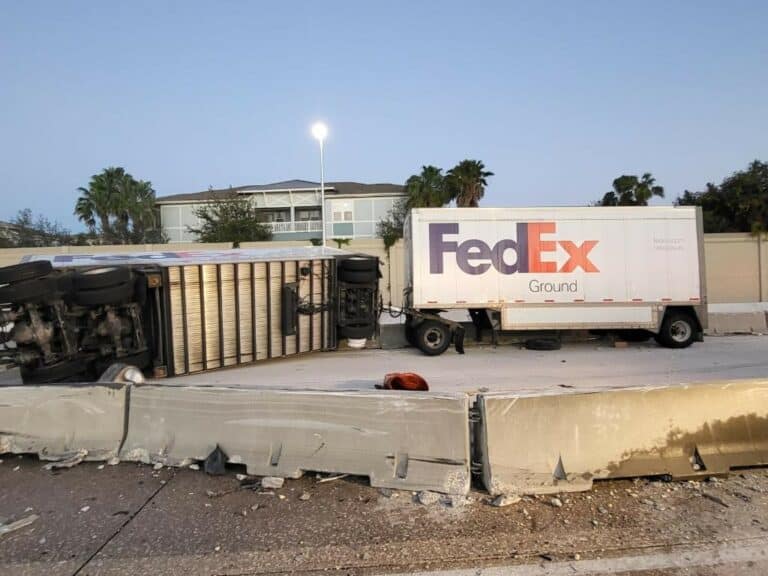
[580, 366]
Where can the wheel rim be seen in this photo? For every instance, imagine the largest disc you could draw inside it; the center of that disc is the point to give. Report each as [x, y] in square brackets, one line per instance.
[680, 331]
[434, 338]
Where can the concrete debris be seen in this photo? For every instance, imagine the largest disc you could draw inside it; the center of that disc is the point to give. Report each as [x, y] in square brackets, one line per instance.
[304, 496]
[17, 468]
[427, 498]
[100, 467]
[241, 477]
[194, 467]
[18, 524]
[157, 466]
[455, 501]
[254, 507]
[281, 496]
[73, 460]
[556, 502]
[114, 461]
[272, 482]
[503, 500]
[716, 499]
[85, 509]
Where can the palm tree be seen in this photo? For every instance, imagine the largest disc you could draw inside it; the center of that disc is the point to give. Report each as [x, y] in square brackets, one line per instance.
[632, 191]
[119, 207]
[97, 202]
[466, 183]
[427, 189]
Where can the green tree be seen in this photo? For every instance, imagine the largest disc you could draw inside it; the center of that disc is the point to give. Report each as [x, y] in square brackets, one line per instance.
[233, 218]
[738, 204]
[119, 209]
[632, 191]
[426, 189]
[466, 182]
[390, 228]
[26, 231]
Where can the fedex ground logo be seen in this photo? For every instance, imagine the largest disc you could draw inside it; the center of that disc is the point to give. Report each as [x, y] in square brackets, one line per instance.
[529, 252]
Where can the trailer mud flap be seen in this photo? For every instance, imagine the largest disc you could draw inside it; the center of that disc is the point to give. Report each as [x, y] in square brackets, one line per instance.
[561, 443]
[408, 440]
[58, 421]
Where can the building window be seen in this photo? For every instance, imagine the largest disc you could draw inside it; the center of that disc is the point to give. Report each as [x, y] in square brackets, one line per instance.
[307, 214]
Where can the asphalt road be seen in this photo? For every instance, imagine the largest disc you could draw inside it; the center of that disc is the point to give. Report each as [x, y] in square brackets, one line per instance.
[132, 520]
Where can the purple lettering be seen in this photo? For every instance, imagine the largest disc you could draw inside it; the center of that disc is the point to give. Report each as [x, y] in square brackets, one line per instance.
[437, 247]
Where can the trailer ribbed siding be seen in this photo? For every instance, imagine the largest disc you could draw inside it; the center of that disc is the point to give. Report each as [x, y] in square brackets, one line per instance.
[231, 313]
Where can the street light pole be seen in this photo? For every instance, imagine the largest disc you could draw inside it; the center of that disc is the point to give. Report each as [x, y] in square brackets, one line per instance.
[320, 131]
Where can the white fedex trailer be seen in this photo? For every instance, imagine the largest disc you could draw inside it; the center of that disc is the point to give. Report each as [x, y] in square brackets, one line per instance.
[635, 269]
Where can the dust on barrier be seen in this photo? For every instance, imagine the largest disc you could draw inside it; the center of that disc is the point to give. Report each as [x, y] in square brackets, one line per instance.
[559, 443]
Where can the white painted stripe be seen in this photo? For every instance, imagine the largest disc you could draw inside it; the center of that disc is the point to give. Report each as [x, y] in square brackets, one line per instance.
[688, 557]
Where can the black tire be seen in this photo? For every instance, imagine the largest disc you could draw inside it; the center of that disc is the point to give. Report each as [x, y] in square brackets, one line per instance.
[359, 264]
[64, 371]
[142, 360]
[34, 291]
[24, 271]
[98, 278]
[365, 331]
[112, 295]
[678, 330]
[634, 335]
[433, 337]
[543, 344]
[359, 276]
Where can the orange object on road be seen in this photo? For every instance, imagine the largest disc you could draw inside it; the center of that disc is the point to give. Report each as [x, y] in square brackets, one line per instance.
[405, 381]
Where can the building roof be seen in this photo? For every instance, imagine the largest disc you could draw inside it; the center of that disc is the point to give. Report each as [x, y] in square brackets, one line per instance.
[331, 189]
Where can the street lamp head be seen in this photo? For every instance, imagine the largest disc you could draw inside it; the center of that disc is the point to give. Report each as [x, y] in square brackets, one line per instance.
[319, 131]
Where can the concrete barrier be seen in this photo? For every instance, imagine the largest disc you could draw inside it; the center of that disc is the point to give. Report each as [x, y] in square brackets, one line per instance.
[58, 421]
[737, 323]
[413, 441]
[560, 443]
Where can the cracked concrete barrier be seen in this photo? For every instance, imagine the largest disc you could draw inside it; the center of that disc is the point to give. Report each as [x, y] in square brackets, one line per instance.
[560, 443]
[58, 421]
[405, 440]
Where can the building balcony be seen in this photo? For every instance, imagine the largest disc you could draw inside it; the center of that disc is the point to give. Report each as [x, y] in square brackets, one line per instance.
[288, 227]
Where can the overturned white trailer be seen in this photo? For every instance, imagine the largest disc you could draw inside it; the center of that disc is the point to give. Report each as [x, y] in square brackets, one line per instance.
[177, 312]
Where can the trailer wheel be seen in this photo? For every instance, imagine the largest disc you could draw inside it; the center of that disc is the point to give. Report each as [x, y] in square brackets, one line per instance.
[112, 295]
[98, 278]
[433, 337]
[356, 332]
[24, 271]
[359, 276]
[678, 330]
[33, 291]
[359, 264]
[141, 360]
[66, 370]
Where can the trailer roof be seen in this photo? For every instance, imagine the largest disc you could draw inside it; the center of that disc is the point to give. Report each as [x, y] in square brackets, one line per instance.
[172, 257]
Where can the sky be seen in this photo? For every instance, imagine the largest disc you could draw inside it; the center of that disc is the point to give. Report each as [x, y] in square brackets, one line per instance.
[556, 98]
